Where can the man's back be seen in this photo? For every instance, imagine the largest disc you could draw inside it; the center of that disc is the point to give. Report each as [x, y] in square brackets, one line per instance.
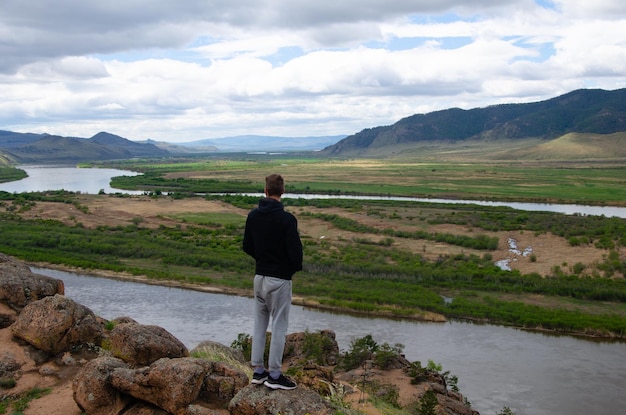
[271, 238]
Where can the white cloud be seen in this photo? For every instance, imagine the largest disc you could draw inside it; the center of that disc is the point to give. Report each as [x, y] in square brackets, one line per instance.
[597, 9]
[181, 71]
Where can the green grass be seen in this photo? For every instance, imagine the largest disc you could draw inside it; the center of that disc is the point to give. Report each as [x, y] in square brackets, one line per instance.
[215, 353]
[585, 183]
[209, 218]
[8, 174]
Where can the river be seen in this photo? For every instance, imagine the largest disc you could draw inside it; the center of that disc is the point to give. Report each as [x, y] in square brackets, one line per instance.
[82, 180]
[532, 373]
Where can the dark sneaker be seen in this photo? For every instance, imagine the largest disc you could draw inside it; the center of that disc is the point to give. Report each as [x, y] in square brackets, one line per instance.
[259, 378]
[281, 383]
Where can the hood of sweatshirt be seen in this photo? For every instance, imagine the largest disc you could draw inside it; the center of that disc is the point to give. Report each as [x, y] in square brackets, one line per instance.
[269, 205]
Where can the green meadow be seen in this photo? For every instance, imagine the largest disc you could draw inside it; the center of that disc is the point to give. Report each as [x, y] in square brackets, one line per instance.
[582, 183]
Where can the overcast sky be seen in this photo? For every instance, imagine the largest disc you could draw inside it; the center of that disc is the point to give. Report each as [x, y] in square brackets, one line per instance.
[185, 70]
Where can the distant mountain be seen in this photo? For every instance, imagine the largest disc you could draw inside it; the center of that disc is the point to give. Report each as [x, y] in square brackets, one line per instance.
[122, 145]
[44, 148]
[9, 139]
[178, 149]
[249, 143]
[591, 111]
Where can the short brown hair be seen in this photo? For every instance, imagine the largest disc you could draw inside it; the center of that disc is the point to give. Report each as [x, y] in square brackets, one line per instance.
[274, 185]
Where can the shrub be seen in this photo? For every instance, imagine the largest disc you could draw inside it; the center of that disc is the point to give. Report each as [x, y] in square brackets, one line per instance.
[317, 347]
[243, 343]
[360, 351]
[427, 403]
[7, 383]
[386, 354]
[385, 392]
[416, 372]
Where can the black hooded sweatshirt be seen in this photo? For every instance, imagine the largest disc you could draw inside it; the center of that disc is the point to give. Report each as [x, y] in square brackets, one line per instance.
[271, 238]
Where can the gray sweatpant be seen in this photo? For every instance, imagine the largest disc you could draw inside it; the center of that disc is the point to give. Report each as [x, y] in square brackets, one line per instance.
[272, 298]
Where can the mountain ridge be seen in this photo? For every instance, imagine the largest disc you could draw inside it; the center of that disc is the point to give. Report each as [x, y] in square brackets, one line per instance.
[593, 111]
[46, 148]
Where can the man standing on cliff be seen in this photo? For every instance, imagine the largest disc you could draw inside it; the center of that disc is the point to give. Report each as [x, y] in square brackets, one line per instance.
[271, 237]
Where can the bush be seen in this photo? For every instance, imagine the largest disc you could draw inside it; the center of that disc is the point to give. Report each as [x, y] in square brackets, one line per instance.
[360, 351]
[506, 411]
[317, 347]
[243, 343]
[386, 354]
[428, 403]
[385, 392]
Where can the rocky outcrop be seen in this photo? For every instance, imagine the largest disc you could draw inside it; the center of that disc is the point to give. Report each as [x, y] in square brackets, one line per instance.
[262, 401]
[19, 286]
[56, 324]
[140, 345]
[175, 384]
[8, 365]
[93, 391]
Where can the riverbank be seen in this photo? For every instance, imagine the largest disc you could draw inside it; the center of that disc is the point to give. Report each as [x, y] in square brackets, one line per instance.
[424, 316]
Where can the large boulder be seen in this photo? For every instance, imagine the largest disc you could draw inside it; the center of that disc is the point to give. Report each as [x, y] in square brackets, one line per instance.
[57, 324]
[171, 384]
[259, 400]
[181, 386]
[144, 408]
[140, 345]
[222, 382]
[210, 347]
[19, 286]
[8, 365]
[92, 389]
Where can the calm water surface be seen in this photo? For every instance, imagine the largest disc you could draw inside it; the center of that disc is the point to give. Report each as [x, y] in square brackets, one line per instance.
[73, 179]
[533, 374]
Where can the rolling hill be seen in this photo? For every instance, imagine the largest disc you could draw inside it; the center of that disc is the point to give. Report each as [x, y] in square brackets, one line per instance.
[34, 148]
[16, 148]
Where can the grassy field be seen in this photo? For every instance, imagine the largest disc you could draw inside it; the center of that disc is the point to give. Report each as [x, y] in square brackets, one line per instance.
[584, 183]
[8, 174]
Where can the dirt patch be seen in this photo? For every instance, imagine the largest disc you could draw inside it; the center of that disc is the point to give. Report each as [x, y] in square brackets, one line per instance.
[538, 253]
[103, 210]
